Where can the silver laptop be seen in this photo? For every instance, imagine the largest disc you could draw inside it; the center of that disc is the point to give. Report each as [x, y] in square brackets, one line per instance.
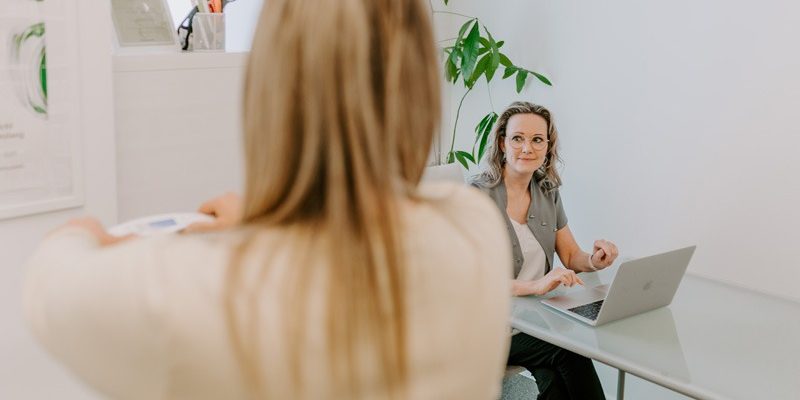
[640, 285]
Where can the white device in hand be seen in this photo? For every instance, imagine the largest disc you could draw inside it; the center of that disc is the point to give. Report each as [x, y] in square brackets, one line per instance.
[159, 224]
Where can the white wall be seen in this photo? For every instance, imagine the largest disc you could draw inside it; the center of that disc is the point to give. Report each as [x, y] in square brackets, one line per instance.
[178, 127]
[179, 9]
[26, 372]
[245, 13]
[677, 122]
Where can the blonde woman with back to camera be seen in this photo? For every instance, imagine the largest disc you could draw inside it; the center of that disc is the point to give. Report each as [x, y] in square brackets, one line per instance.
[522, 180]
[327, 280]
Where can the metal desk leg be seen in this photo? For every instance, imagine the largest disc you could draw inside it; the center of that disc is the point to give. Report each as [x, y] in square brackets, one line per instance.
[620, 384]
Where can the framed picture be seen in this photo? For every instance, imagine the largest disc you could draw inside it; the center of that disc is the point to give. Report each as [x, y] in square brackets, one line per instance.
[143, 24]
[40, 136]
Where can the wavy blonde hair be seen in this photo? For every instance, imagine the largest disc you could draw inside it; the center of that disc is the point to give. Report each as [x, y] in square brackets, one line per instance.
[340, 107]
[547, 176]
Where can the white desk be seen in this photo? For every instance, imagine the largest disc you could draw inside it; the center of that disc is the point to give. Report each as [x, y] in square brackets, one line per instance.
[713, 342]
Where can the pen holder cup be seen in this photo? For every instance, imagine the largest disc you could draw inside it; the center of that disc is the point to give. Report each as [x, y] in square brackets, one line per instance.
[208, 32]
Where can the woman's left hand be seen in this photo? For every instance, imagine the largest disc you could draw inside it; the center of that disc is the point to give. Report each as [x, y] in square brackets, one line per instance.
[604, 253]
[97, 230]
[226, 210]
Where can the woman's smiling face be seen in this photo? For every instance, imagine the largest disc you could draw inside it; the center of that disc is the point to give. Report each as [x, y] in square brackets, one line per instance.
[525, 143]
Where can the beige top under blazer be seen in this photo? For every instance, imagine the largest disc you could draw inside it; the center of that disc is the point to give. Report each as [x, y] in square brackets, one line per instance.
[144, 319]
[545, 217]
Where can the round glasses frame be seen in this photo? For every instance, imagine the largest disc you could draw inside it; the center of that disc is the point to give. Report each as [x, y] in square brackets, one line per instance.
[537, 142]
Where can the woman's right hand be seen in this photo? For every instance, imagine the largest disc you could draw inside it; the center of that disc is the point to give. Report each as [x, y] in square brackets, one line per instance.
[543, 285]
[227, 210]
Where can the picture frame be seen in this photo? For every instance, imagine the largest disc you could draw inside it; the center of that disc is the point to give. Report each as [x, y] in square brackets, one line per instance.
[41, 141]
[143, 25]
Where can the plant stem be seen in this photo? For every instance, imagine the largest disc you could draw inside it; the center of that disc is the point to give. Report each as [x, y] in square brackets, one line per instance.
[453, 13]
[455, 124]
[489, 90]
[448, 39]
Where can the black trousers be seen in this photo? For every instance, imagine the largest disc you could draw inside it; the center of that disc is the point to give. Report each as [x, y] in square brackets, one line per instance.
[559, 373]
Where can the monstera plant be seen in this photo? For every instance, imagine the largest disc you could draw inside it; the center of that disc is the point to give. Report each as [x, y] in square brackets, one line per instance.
[472, 55]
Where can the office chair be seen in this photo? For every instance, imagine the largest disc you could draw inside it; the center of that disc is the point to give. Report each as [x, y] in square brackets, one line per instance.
[517, 386]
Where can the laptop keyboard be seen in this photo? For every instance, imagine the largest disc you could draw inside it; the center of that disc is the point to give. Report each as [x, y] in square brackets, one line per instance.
[589, 311]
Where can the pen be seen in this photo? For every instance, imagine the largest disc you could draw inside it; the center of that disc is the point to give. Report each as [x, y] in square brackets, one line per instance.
[216, 6]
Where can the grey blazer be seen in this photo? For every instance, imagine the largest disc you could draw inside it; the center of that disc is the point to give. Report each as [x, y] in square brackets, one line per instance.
[545, 217]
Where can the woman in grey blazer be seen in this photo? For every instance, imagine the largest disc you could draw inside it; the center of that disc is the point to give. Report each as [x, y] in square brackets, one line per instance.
[522, 180]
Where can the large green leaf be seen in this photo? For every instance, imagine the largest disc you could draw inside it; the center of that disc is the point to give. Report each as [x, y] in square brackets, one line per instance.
[456, 55]
[461, 159]
[479, 69]
[481, 125]
[505, 61]
[469, 58]
[490, 70]
[451, 65]
[485, 45]
[542, 78]
[450, 71]
[495, 54]
[487, 132]
[466, 156]
[463, 30]
[522, 75]
[509, 71]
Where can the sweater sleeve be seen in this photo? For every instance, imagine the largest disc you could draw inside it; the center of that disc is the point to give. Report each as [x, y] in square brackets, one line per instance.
[95, 309]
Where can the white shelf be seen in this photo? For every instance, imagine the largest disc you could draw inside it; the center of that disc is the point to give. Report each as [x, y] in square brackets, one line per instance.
[168, 61]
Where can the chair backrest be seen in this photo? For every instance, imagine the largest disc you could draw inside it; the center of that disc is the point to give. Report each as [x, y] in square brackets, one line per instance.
[446, 172]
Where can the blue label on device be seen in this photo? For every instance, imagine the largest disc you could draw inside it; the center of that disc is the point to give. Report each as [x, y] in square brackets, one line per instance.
[164, 223]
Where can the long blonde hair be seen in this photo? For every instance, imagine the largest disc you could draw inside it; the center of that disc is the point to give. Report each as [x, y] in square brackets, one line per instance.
[546, 176]
[341, 103]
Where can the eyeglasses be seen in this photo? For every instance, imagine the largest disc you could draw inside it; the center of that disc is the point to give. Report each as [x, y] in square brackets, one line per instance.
[536, 142]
